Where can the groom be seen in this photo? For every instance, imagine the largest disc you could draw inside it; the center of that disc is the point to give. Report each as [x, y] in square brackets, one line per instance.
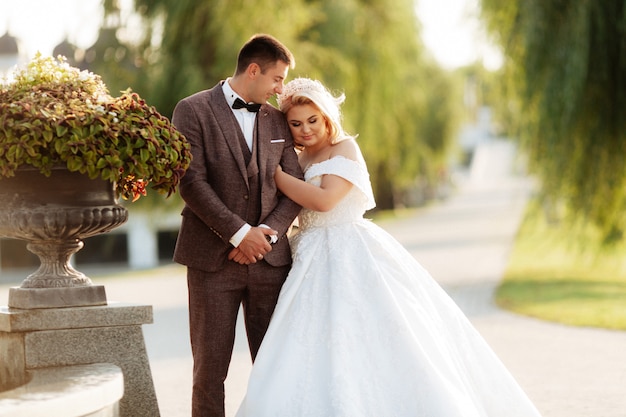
[233, 233]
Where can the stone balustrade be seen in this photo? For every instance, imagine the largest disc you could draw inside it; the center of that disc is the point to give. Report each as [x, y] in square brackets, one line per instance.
[33, 341]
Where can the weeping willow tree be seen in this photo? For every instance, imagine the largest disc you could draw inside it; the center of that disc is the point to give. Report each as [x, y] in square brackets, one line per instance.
[566, 70]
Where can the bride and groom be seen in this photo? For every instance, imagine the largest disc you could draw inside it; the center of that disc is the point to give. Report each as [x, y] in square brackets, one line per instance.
[358, 327]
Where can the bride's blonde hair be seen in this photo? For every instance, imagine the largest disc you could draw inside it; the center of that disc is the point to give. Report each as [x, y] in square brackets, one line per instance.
[301, 91]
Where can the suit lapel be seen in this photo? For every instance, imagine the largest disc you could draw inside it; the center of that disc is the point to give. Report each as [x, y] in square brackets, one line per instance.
[262, 145]
[229, 126]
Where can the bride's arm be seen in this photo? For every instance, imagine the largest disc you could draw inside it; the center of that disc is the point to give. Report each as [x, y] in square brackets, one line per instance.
[322, 198]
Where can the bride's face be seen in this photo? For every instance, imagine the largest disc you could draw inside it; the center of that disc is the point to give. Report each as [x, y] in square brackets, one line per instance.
[307, 125]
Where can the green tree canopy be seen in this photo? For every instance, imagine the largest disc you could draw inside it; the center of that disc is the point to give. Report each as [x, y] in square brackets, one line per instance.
[401, 105]
[199, 41]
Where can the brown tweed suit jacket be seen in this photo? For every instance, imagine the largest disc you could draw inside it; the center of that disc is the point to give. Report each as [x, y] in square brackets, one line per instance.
[215, 187]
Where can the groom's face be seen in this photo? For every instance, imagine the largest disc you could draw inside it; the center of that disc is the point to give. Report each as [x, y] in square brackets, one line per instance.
[269, 82]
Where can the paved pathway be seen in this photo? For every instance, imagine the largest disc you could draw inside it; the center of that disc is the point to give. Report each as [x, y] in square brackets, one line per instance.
[464, 242]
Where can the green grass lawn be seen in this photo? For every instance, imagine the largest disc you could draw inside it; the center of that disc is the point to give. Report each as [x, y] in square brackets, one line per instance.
[558, 276]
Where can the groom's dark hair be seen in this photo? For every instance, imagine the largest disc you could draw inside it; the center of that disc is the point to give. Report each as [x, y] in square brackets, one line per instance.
[265, 51]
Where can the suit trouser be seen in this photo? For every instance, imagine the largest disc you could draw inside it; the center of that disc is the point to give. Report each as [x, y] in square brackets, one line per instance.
[214, 300]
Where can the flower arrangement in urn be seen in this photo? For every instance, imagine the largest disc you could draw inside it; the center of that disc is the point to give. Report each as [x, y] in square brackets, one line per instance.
[68, 150]
[54, 114]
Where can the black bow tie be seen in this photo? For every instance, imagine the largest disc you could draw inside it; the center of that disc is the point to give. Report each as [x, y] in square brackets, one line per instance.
[240, 104]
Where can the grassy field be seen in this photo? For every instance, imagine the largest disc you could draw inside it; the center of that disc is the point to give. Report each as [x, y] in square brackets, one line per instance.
[555, 276]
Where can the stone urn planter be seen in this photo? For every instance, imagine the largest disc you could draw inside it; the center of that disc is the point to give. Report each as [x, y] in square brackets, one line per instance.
[68, 150]
[54, 215]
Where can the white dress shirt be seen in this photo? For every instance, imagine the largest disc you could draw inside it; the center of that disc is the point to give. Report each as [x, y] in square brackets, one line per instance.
[244, 117]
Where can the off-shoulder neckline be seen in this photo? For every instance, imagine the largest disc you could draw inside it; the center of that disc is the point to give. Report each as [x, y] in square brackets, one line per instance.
[330, 159]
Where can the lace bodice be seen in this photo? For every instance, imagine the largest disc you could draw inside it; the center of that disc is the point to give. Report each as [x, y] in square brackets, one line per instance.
[354, 204]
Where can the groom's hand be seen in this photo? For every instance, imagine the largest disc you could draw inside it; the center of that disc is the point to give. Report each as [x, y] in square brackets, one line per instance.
[253, 246]
[237, 255]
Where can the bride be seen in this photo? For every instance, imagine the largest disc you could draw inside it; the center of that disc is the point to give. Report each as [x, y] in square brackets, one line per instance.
[361, 328]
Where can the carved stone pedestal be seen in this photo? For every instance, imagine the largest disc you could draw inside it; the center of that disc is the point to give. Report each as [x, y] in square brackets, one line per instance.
[54, 214]
[56, 337]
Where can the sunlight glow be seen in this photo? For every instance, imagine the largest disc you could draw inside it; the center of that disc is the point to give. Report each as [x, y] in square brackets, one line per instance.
[451, 30]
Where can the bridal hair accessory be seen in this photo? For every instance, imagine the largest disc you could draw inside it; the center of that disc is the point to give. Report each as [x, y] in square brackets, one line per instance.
[297, 86]
[315, 91]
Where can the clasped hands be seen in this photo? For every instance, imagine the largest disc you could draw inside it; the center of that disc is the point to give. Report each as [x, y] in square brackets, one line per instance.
[253, 246]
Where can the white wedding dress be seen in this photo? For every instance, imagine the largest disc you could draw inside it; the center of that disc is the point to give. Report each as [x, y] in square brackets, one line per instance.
[361, 329]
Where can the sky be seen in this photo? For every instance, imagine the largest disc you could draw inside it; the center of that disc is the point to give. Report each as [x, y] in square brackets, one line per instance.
[40, 25]
[452, 32]
[450, 28]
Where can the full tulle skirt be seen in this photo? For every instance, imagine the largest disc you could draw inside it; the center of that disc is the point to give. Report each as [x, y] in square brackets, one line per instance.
[361, 329]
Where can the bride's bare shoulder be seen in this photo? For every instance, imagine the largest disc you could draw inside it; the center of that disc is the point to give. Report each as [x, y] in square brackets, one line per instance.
[347, 148]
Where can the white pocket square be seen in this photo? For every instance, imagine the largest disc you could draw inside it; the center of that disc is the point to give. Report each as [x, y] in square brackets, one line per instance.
[277, 140]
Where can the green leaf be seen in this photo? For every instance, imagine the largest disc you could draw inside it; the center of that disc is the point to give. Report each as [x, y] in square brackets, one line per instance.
[102, 163]
[139, 143]
[144, 155]
[47, 135]
[61, 131]
[74, 163]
